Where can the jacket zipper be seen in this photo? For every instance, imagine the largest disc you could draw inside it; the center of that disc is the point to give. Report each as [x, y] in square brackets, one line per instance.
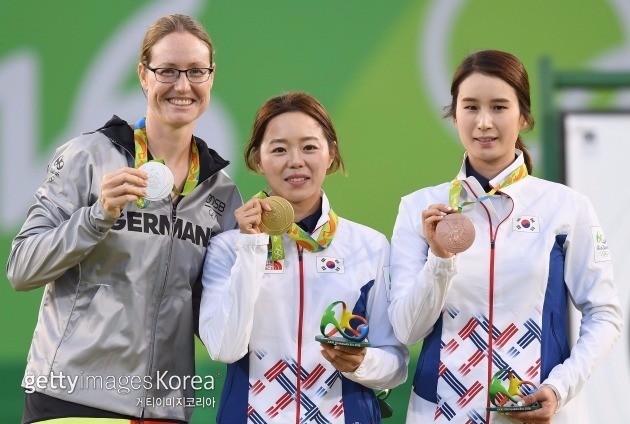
[493, 238]
[490, 311]
[157, 312]
[298, 398]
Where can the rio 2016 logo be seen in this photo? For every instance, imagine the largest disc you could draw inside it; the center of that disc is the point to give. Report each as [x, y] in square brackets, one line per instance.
[599, 238]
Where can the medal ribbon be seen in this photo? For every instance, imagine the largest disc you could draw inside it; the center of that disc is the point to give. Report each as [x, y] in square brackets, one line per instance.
[301, 237]
[142, 157]
[456, 188]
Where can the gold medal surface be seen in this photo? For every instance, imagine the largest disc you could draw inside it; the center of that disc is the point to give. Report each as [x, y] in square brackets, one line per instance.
[455, 233]
[280, 218]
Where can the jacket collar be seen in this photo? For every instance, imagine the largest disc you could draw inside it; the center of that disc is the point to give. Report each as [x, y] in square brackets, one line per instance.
[324, 218]
[120, 132]
[496, 180]
[309, 223]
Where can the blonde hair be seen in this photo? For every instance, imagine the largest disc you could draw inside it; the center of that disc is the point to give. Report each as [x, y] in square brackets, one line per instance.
[169, 24]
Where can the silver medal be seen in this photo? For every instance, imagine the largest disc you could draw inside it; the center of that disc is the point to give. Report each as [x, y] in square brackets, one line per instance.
[160, 180]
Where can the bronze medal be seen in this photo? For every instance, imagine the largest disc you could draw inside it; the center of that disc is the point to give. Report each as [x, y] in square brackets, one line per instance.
[455, 233]
[280, 218]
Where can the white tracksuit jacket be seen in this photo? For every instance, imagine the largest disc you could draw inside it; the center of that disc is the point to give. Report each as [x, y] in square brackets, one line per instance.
[262, 318]
[536, 243]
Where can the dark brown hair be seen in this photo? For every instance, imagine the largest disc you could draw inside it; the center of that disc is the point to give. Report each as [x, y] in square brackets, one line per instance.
[297, 101]
[495, 63]
[169, 24]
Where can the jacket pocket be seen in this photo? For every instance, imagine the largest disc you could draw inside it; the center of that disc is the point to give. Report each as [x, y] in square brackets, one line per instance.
[85, 295]
[106, 321]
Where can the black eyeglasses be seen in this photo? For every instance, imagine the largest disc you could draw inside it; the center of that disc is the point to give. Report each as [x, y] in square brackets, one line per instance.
[168, 75]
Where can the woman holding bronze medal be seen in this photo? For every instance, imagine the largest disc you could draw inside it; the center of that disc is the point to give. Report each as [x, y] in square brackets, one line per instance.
[488, 292]
[117, 238]
[267, 286]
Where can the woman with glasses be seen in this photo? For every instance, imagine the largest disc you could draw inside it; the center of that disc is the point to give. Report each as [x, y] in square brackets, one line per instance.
[264, 297]
[494, 317]
[117, 238]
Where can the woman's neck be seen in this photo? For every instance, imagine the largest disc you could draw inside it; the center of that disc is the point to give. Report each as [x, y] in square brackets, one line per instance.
[489, 170]
[305, 208]
[172, 145]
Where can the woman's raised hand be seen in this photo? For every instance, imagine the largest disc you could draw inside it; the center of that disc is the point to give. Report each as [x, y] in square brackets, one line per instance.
[121, 187]
[249, 216]
[430, 219]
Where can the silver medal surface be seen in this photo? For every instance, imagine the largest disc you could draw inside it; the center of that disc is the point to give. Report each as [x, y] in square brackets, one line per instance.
[160, 180]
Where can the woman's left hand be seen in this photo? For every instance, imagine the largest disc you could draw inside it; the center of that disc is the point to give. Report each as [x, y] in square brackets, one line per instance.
[344, 358]
[546, 397]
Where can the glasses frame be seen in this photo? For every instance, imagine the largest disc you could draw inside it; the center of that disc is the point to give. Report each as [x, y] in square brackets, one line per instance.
[180, 71]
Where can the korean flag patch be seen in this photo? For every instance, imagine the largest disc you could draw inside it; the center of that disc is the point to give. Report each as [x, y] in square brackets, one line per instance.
[526, 224]
[327, 264]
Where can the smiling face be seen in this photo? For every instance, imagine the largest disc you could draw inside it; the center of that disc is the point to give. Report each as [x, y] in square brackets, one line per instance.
[488, 120]
[294, 157]
[180, 103]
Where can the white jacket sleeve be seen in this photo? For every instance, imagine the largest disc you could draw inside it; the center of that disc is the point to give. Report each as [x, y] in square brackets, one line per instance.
[385, 363]
[420, 280]
[589, 278]
[232, 273]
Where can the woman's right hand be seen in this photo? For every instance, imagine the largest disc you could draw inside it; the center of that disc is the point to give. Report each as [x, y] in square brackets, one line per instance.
[430, 219]
[249, 216]
[121, 187]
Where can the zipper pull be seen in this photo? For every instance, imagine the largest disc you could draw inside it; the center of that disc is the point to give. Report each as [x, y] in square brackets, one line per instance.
[299, 252]
[491, 244]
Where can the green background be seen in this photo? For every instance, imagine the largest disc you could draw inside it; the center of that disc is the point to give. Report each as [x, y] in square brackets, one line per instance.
[361, 59]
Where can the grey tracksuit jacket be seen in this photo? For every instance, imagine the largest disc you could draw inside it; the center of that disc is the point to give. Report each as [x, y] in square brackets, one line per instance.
[117, 315]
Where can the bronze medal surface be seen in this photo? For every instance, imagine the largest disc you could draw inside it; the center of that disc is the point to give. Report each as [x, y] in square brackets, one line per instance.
[455, 233]
[279, 218]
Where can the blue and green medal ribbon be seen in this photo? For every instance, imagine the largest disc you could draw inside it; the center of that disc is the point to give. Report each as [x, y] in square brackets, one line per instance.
[456, 188]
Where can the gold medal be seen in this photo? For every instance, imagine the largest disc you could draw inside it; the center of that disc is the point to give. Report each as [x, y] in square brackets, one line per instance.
[280, 218]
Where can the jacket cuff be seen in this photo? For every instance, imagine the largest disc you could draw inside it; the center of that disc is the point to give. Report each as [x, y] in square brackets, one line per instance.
[100, 219]
[359, 374]
[441, 263]
[560, 402]
[245, 240]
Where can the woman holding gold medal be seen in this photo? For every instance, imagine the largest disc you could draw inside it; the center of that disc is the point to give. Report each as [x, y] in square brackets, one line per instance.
[489, 295]
[263, 299]
[117, 237]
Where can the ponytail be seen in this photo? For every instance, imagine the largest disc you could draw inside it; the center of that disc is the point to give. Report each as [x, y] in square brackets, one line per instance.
[526, 156]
